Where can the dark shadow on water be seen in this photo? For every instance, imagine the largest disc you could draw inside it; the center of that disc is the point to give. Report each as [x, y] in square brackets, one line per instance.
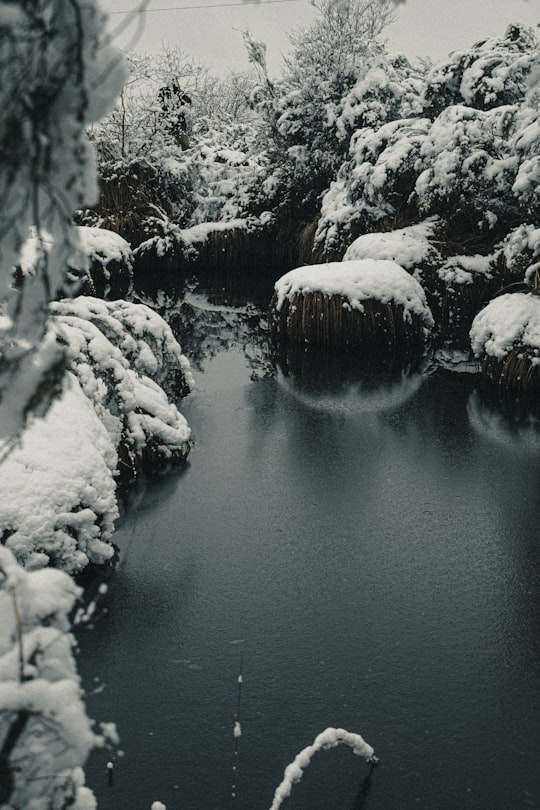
[327, 379]
[361, 798]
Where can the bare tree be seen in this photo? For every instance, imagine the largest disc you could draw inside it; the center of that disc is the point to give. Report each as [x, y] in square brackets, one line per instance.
[338, 41]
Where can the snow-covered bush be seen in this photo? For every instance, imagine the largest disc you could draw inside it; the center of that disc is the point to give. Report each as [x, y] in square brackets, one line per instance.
[464, 164]
[410, 247]
[298, 112]
[45, 733]
[366, 302]
[493, 73]
[520, 254]
[126, 359]
[58, 74]
[505, 335]
[107, 266]
[58, 487]
[390, 89]
[374, 184]
[159, 160]
[470, 154]
[59, 498]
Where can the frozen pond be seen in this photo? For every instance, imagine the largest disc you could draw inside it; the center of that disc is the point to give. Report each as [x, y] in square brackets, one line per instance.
[372, 553]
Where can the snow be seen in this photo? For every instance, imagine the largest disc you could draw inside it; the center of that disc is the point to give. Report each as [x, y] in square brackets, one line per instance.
[507, 321]
[329, 738]
[59, 497]
[409, 247]
[11, 15]
[65, 460]
[357, 281]
[38, 677]
[521, 250]
[103, 245]
[463, 269]
[368, 186]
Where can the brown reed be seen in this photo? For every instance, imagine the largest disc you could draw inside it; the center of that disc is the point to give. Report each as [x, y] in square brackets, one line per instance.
[328, 320]
[519, 370]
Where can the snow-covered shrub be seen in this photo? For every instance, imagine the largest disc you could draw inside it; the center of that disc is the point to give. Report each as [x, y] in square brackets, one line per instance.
[520, 254]
[111, 262]
[58, 74]
[505, 335]
[470, 153]
[326, 60]
[491, 74]
[390, 89]
[374, 184]
[59, 498]
[131, 193]
[45, 733]
[456, 289]
[124, 356]
[411, 247]
[298, 112]
[58, 503]
[464, 165]
[366, 302]
[526, 145]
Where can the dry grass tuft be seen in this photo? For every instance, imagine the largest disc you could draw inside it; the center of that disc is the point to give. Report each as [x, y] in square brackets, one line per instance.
[327, 320]
[128, 197]
[519, 370]
[226, 248]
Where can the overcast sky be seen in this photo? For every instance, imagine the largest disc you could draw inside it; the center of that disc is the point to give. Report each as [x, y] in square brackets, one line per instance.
[422, 27]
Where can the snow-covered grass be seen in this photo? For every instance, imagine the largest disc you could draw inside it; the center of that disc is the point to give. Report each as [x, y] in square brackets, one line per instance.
[508, 321]
[409, 247]
[351, 303]
[357, 282]
[59, 501]
[506, 336]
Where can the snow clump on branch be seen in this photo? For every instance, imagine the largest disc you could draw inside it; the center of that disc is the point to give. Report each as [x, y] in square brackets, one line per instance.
[43, 725]
[59, 74]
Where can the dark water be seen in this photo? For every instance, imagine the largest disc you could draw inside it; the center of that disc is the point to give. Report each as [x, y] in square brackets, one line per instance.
[372, 553]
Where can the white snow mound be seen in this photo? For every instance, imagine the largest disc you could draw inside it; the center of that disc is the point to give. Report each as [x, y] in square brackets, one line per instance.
[510, 320]
[357, 281]
[409, 247]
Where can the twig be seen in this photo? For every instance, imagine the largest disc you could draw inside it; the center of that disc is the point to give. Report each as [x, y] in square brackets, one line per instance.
[237, 735]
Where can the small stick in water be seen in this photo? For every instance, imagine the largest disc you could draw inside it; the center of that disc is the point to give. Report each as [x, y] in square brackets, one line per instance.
[237, 734]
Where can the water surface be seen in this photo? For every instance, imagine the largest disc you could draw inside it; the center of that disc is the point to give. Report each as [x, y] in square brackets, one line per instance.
[371, 552]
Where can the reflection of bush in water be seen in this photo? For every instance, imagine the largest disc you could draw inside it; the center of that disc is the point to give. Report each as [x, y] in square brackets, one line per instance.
[505, 417]
[374, 380]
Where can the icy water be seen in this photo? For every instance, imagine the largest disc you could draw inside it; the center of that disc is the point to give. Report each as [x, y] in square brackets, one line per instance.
[371, 552]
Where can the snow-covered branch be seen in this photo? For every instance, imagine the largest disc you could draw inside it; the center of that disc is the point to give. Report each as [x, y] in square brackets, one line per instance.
[45, 735]
[57, 76]
[329, 738]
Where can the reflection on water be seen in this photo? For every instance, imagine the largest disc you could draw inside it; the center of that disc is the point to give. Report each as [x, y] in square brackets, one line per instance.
[377, 568]
[516, 428]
